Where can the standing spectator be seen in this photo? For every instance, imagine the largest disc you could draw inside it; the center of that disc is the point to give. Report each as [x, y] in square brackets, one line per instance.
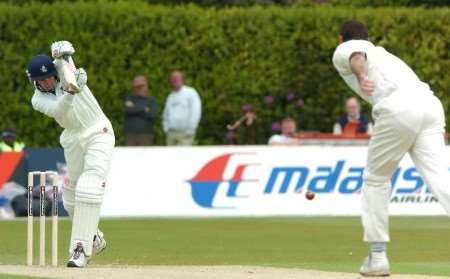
[182, 112]
[288, 133]
[9, 142]
[353, 115]
[140, 114]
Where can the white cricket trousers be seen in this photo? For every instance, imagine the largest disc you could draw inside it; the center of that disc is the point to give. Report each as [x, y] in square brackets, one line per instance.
[404, 122]
[88, 155]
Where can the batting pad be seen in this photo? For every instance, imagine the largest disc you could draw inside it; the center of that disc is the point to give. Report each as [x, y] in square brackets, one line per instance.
[88, 198]
[68, 196]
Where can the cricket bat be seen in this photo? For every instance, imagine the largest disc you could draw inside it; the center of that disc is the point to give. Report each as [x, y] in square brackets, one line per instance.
[66, 72]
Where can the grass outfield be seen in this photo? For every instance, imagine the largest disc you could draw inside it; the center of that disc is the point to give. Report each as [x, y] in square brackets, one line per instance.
[420, 245]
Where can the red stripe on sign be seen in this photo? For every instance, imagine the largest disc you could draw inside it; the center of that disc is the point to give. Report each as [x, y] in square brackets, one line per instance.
[214, 169]
[8, 164]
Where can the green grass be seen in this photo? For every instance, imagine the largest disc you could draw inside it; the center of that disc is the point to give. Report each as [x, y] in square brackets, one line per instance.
[419, 245]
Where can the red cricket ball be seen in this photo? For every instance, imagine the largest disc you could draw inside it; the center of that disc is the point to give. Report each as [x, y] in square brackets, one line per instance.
[310, 195]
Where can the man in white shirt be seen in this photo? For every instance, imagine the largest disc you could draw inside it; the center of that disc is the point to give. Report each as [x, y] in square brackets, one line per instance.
[88, 141]
[288, 133]
[182, 112]
[408, 118]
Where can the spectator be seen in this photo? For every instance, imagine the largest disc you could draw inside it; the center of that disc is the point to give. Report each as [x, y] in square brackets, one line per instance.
[361, 122]
[19, 203]
[9, 143]
[182, 112]
[140, 114]
[288, 133]
[244, 129]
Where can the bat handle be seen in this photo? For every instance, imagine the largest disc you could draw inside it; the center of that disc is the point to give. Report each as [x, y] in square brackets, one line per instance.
[69, 59]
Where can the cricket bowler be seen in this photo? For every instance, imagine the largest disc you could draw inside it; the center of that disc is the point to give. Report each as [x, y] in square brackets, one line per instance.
[88, 141]
[408, 118]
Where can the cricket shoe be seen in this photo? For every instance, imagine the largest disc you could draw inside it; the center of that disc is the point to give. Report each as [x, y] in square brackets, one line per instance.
[375, 265]
[99, 243]
[78, 257]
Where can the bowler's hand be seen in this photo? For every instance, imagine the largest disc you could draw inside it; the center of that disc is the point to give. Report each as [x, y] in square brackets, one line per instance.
[367, 86]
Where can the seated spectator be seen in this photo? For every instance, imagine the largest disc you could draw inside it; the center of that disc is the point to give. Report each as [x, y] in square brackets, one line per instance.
[352, 122]
[288, 133]
[9, 142]
[140, 114]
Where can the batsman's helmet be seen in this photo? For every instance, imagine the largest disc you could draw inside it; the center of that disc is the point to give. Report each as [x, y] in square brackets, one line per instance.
[41, 67]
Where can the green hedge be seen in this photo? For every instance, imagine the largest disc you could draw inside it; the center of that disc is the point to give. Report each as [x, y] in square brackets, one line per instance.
[246, 3]
[233, 56]
[352, 3]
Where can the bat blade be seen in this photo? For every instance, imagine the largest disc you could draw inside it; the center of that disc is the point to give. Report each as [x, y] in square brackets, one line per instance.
[66, 71]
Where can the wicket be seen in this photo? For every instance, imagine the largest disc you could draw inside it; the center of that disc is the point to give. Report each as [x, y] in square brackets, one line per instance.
[42, 183]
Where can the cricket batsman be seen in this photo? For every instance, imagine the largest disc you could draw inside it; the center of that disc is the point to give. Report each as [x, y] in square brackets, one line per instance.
[88, 141]
[408, 118]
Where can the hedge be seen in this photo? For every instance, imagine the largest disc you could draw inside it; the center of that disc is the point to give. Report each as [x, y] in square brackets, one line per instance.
[350, 3]
[233, 56]
[246, 3]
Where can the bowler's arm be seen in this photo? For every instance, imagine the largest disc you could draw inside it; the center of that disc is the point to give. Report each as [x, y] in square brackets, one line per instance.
[358, 64]
[359, 67]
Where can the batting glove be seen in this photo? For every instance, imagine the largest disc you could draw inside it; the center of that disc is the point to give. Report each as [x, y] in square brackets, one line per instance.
[62, 48]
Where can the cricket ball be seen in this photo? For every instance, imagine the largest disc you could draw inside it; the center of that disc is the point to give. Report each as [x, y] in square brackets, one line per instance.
[310, 195]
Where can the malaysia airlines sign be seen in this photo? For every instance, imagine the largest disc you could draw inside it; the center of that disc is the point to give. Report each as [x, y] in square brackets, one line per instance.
[253, 181]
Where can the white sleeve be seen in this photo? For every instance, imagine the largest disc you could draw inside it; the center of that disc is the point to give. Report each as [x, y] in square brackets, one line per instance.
[341, 61]
[274, 139]
[196, 110]
[342, 54]
[337, 129]
[53, 107]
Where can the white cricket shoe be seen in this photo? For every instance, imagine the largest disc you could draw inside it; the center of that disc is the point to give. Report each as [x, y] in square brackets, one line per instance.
[375, 265]
[99, 243]
[78, 257]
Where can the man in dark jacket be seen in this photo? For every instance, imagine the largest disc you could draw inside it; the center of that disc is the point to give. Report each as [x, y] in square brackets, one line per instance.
[140, 114]
[353, 115]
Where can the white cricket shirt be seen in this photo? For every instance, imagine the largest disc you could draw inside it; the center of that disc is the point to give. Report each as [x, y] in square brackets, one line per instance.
[72, 112]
